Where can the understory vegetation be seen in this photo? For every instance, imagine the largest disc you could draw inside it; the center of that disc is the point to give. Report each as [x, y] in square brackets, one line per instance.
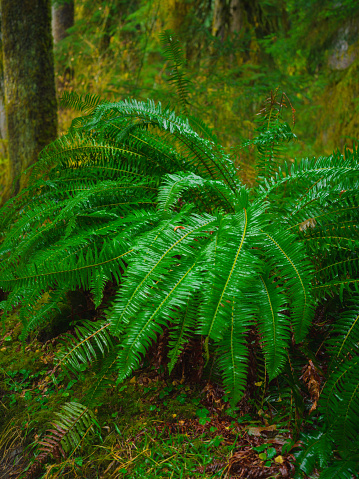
[165, 319]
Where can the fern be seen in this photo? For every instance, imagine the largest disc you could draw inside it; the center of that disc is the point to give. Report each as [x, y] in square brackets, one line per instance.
[149, 200]
[339, 402]
[273, 132]
[173, 52]
[90, 342]
[73, 422]
[93, 227]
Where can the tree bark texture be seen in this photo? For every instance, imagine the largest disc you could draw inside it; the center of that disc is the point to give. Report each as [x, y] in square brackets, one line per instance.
[3, 129]
[63, 17]
[30, 96]
[231, 17]
[227, 18]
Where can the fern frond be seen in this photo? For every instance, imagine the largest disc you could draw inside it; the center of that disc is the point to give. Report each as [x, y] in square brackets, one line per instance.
[233, 353]
[317, 450]
[82, 103]
[343, 469]
[73, 422]
[183, 325]
[273, 324]
[105, 370]
[295, 269]
[202, 128]
[140, 334]
[212, 192]
[209, 160]
[145, 270]
[273, 132]
[173, 52]
[34, 314]
[90, 342]
[338, 404]
[340, 401]
[345, 334]
[85, 104]
[235, 267]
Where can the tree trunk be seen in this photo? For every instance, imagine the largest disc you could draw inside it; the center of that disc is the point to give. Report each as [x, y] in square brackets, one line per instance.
[220, 19]
[227, 18]
[30, 96]
[235, 22]
[3, 129]
[63, 17]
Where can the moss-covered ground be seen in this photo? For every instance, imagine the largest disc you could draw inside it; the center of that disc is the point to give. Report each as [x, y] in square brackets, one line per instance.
[150, 426]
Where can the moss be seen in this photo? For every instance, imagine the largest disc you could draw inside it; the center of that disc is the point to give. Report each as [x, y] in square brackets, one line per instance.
[133, 416]
[29, 81]
[338, 123]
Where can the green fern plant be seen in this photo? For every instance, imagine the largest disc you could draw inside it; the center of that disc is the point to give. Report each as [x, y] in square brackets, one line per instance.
[68, 431]
[148, 200]
[173, 52]
[136, 196]
[338, 405]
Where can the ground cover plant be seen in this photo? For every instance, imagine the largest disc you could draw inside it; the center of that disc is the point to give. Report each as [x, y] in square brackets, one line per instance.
[143, 213]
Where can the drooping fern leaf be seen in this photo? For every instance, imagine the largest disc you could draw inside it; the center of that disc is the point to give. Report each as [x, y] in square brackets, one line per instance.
[183, 324]
[90, 342]
[273, 324]
[73, 423]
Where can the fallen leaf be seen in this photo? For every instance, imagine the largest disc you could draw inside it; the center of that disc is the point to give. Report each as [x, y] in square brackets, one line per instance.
[256, 431]
[279, 459]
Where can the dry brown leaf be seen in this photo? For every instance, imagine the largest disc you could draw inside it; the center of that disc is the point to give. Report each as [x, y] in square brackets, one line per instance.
[256, 431]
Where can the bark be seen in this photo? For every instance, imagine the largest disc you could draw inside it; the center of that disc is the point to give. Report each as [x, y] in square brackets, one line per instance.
[227, 18]
[231, 17]
[220, 19]
[30, 97]
[63, 16]
[235, 19]
[3, 132]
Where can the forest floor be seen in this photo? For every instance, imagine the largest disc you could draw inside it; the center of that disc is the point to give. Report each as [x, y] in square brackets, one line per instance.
[151, 426]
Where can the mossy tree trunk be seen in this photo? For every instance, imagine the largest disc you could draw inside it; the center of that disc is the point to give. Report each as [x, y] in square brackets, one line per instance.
[3, 129]
[227, 18]
[63, 17]
[231, 17]
[30, 96]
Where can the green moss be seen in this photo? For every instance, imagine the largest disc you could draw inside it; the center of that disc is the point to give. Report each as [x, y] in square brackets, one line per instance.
[338, 123]
[29, 81]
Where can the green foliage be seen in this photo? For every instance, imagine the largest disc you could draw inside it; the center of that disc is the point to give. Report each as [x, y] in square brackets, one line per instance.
[272, 133]
[68, 431]
[339, 404]
[136, 196]
[173, 52]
